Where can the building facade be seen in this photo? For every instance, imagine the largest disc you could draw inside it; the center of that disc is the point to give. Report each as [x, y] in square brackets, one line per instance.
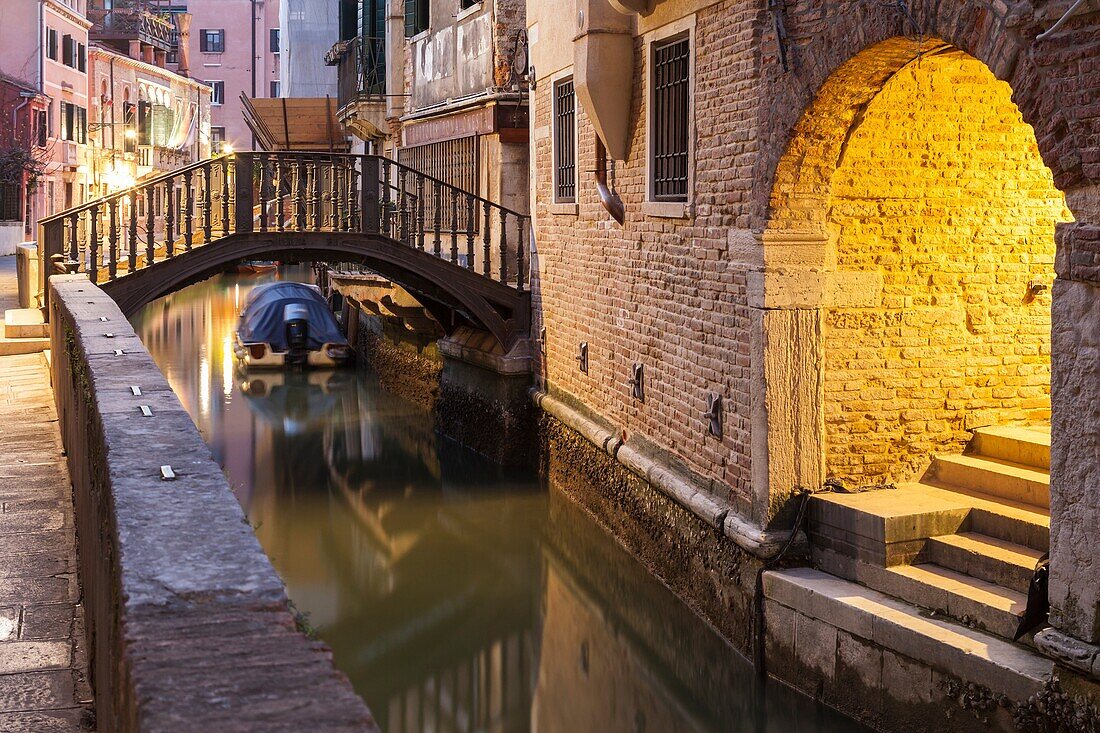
[46, 46]
[780, 248]
[233, 46]
[145, 120]
[440, 87]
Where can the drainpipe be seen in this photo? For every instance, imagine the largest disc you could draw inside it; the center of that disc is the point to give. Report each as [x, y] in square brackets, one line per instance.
[253, 66]
[608, 197]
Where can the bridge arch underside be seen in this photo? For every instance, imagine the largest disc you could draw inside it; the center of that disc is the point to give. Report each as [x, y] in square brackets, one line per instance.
[453, 295]
[909, 254]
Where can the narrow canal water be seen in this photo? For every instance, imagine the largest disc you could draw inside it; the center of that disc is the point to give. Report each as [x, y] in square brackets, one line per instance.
[456, 596]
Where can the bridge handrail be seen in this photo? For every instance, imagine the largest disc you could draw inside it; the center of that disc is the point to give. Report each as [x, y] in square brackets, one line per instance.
[88, 205]
[281, 192]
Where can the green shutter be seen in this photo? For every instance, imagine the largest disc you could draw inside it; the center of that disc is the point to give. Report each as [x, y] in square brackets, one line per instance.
[410, 18]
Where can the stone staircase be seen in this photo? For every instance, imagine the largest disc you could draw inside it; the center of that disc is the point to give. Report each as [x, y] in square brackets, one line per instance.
[25, 332]
[961, 543]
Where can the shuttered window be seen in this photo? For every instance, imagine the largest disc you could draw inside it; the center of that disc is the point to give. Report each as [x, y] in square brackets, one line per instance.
[416, 16]
[565, 152]
[669, 120]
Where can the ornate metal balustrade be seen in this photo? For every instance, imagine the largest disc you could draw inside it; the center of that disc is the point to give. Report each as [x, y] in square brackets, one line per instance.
[278, 194]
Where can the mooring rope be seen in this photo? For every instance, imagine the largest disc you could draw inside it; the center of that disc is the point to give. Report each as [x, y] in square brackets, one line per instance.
[758, 598]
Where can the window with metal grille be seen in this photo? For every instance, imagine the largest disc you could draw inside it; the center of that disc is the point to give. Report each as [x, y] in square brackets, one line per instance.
[10, 201]
[669, 120]
[565, 153]
[451, 161]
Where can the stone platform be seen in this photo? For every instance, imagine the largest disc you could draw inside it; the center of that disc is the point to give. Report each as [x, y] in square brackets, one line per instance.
[43, 659]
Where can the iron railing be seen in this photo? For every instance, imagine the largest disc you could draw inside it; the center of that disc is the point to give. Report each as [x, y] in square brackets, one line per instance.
[361, 71]
[274, 193]
[135, 22]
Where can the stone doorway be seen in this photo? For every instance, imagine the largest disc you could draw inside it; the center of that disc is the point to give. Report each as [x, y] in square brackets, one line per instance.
[915, 200]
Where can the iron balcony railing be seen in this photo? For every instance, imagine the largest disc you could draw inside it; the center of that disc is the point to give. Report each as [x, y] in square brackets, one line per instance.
[133, 22]
[361, 69]
[285, 192]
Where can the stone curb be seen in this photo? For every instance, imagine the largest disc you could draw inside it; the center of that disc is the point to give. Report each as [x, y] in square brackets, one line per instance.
[187, 618]
[709, 508]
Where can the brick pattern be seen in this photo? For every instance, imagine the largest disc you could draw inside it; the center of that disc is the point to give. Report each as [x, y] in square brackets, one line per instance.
[666, 292]
[941, 189]
[661, 292]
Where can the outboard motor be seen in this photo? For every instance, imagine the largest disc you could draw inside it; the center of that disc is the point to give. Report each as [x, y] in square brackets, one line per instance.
[296, 323]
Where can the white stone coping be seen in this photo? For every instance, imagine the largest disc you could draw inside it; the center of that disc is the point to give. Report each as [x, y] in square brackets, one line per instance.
[713, 510]
[969, 654]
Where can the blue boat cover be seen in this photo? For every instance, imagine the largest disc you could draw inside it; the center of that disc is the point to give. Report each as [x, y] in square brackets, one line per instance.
[262, 318]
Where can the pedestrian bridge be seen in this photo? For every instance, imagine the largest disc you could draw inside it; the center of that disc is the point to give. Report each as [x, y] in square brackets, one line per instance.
[462, 256]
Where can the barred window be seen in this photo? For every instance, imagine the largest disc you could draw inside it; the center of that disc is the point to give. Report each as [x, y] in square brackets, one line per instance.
[669, 120]
[455, 162]
[565, 153]
[10, 201]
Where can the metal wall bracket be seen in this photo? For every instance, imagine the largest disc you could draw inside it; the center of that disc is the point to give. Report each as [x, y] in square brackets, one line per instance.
[713, 415]
[637, 382]
[582, 356]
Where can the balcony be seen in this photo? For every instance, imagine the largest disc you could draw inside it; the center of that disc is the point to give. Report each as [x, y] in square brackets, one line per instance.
[361, 72]
[120, 25]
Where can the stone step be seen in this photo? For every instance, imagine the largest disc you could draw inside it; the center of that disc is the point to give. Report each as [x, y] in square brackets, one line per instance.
[24, 323]
[953, 649]
[995, 477]
[13, 346]
[887, 527]
[997, 561]
[1027, 446]
[970, 600]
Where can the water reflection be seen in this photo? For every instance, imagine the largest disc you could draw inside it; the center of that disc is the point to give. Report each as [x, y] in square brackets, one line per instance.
[457, 596]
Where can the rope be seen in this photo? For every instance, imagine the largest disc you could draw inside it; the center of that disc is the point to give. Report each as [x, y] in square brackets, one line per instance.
[758, 598]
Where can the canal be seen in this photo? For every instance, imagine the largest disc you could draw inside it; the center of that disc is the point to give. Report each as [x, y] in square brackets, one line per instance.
[457, 596]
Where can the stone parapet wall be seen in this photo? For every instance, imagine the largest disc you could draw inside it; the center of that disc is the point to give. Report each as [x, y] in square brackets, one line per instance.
[189, 626]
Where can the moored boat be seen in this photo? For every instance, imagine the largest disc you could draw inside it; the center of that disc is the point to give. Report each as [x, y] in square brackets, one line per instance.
[288, 324]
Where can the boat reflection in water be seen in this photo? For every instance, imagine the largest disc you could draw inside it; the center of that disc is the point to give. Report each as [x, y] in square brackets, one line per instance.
[456, 595]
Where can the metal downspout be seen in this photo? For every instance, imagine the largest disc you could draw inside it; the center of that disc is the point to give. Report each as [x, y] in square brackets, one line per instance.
[609, 198]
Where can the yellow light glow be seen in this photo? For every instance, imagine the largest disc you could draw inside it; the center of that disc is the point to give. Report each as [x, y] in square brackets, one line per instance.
[131, 134]
[118, 178]
[227, 149]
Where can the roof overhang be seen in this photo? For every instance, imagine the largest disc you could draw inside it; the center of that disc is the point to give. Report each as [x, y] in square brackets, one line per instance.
[304, 124]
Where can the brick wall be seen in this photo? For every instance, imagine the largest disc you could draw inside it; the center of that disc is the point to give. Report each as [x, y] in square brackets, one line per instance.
[680, 295]
[662, 292]
[941, 189]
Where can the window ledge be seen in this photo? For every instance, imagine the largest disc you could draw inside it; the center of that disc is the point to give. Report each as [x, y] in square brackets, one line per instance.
[564, 209]
[472, 10]
[667, 209]
[420, 36]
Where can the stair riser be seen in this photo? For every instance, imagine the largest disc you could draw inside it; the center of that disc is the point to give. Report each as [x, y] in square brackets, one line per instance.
[964, 610]
[1010, 449]
[25, 331]
[977, 565]
[1013, 488]
[1035, 536]
[23, 346]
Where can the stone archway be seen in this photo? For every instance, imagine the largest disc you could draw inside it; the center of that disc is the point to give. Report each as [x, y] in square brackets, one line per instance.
[802, 279]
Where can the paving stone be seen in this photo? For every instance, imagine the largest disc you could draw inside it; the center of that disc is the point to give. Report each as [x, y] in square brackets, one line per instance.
[33, 656]
[36, 691]
[47, 622]
[53, 721]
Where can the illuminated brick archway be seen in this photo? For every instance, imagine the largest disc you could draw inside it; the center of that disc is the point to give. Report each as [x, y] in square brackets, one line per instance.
[910, 212]
[801, 280]
[941, 211]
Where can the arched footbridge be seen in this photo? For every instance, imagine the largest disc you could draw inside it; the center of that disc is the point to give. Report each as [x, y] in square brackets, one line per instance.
[465, 258]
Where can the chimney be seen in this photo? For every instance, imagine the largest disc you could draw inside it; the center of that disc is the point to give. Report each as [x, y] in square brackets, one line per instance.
[183, 25]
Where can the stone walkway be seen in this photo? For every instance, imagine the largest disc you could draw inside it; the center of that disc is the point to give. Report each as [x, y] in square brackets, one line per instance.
[43, 660]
